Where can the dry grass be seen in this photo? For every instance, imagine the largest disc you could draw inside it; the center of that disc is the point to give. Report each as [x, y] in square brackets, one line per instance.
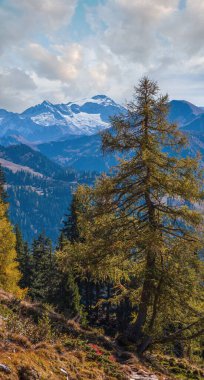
[37, 343]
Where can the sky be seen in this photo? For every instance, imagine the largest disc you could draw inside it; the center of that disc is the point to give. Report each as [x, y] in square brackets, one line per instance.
[64, 50]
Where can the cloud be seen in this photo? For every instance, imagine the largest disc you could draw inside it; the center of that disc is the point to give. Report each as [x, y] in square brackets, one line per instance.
[59, 64]
[49, 13]
[125, 40]
[133, 27]
[25, 20]
[158, 38]
[16, 89]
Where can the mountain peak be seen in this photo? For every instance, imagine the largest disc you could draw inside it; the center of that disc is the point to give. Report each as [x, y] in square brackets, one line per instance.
[46, 103]
[183, 111]
[103, 97]
[96, 99]
[46, 121]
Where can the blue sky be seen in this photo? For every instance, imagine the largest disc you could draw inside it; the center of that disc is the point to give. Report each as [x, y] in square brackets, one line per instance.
[63, 50]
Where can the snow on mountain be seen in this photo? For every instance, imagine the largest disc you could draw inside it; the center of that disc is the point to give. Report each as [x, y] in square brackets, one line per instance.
[46, 121]
[82, 117]
[84, 152]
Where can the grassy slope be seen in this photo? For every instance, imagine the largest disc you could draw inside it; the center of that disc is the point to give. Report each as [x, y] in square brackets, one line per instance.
[37, 343]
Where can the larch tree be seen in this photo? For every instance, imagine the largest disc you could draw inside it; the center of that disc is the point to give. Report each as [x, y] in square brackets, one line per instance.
[9, 272]
[144, 215]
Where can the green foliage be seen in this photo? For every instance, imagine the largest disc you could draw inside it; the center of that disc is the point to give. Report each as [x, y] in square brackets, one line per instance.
[23, 258]
[140, 227]
[70, 228]
[41, 269]
[45, 331]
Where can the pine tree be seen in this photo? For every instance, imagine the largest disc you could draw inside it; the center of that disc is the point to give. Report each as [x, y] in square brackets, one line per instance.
[23, 258]
[143, 220]
[70, 229]
[3, 195]
[41, 269]
[67, 285]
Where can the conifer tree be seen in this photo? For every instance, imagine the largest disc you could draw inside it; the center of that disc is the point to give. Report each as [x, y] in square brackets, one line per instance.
[23, 258]
[67, 285]
[9, 272]
[70, 229]
[41, 269]
[145, 214]
[3, 195]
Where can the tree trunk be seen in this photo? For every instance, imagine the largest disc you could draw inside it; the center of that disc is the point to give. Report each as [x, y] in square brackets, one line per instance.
[135, 333]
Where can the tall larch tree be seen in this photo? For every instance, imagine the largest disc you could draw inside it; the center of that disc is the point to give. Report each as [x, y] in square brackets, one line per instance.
[145, 213]
[159, 190]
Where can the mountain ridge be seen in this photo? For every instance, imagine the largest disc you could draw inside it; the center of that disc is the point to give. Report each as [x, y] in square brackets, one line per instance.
[60, 162]
[45, 122]
[33, 182]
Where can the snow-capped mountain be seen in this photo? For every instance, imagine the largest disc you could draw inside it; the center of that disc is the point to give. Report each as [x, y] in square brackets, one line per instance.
[43, 177]
[84, 152]
[68, 133]
[46, 121]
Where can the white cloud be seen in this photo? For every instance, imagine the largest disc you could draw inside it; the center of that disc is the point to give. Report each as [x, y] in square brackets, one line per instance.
[129, 38]
[59, 64]
[16, 89]
[157, 38]
[133, 27]
[47, 13]
[25, 20]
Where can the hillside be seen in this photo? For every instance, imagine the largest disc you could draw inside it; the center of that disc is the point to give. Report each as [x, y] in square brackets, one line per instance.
[36, 185]
[37, 343]
[82, 153]
[25, 156]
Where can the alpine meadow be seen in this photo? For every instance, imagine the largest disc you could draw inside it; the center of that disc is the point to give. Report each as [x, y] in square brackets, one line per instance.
[101, 198]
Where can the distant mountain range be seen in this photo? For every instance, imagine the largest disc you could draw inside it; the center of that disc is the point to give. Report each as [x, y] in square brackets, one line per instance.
[47, 122]
[48, 149]
[68, 133]
[84, 152]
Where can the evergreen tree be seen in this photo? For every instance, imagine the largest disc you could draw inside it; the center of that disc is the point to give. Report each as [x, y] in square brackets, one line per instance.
[70, 229]
[67, 289]
[3, 195]
[41, 269]
[63, 289]
[23, 258]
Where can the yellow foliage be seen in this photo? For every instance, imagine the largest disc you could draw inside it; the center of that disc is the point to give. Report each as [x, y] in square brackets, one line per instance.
[9, 273]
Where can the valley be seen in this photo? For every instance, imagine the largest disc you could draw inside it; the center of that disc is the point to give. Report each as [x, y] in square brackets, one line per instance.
[49, 149]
